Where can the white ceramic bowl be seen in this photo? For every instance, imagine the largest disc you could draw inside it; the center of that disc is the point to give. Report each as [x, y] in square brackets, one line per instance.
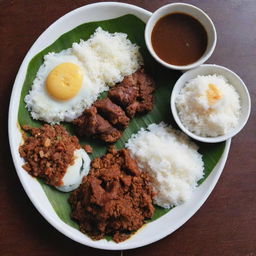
[192, 11]
[233, 79]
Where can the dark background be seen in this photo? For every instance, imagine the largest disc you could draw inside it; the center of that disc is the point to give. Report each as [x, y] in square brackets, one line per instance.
[224, 225]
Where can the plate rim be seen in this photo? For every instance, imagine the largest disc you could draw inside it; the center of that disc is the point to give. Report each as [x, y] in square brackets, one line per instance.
[40, 208]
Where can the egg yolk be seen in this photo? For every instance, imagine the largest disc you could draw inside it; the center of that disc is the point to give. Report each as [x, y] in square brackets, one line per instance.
[64, 81]
[213, 94]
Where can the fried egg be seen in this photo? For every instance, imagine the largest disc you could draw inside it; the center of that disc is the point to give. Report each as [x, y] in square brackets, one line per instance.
[62, 89]
[76, 171]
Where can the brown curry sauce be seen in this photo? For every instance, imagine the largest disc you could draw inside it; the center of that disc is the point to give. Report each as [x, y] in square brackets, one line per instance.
[179, 39]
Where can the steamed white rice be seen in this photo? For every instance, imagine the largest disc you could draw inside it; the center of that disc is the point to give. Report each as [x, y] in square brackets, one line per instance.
[172, 161]
[108, 57]
[202, 118]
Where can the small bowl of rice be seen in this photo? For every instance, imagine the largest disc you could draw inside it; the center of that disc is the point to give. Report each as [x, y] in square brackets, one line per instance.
[210, 103]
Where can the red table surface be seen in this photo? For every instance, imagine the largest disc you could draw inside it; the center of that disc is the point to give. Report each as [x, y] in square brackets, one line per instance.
[224, 225]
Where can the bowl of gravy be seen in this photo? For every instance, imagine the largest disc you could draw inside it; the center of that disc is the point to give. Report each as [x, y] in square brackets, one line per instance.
[180, 36]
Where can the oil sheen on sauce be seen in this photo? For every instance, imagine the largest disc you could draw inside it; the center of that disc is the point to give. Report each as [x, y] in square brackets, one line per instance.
[179, 39]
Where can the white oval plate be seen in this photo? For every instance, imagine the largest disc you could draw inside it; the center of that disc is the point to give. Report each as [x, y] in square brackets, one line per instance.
[150, 232]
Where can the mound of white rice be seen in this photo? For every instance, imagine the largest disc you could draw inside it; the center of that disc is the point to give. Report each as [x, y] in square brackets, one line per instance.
[172, 161]
[205, 119]
[108, 57]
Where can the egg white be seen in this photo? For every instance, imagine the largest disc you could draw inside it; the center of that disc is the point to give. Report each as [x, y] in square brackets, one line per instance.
[75, 173]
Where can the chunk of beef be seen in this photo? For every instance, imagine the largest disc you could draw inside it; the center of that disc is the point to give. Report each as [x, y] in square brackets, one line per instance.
[112, 112]
[134, 93]
[110, 136]
[132, 109]
[140, 106]
[145, 83]
[144, 101]
[90, 123]
[146, 104]
[125, 93]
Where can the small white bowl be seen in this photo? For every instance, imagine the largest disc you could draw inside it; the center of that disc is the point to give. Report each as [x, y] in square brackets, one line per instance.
[233, 79]
[193, 11]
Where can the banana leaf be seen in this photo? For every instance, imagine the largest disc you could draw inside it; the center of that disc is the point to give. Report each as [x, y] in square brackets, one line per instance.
[165, 80]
